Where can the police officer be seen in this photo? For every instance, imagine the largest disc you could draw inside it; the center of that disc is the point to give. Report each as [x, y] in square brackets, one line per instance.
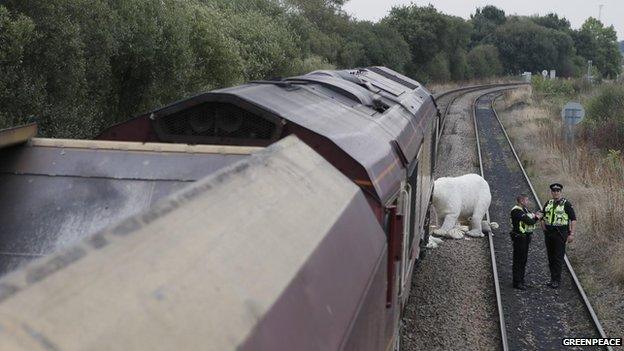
[523, 222]
[559, 223]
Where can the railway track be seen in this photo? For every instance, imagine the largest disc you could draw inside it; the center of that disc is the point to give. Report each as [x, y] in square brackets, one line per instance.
[540, 317]
[450, 96]
[435, 317]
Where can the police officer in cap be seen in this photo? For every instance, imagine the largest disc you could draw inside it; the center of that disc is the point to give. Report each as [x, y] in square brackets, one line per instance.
[523, 222]
[559, 223]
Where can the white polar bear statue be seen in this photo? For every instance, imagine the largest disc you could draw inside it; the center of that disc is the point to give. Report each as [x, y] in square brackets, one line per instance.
[461, 198]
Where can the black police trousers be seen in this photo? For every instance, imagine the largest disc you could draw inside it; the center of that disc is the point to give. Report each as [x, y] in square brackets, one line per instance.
[520, 254]
[555, 248]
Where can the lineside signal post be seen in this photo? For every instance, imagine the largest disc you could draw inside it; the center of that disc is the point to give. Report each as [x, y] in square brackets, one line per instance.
[572, 114]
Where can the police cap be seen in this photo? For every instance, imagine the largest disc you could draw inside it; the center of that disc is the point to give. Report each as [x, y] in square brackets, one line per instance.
[556, 186]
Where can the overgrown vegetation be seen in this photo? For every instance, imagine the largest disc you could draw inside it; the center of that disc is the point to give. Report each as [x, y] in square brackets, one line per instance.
[555, 87]
[77, 66]
[604, 127]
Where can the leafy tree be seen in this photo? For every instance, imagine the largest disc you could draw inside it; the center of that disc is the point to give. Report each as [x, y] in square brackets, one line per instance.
[431, 36]
[552, 21]
[266, 45]
[598, 43]
[438, 69]
[604, 124]
[79, 65]
[312, 63]
[526, 46]
[313, 41]
[273, 8]
[326, 14]
[217, 58]
[21, 93]
[485, 20]
[69, 54]
[389, 49]
[456, 42]
[421, 28]
[154, 62]
[374, 44]
[484, 62]
[458, 65]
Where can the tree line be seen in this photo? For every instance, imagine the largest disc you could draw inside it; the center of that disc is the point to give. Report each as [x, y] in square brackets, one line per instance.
[77, 66]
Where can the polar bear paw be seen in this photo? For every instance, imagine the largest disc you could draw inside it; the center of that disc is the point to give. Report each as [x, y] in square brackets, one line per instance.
[432, 244]
[463, 228]
[455, 233]
[439, 232]
[435, 240]
[475, 233]
[489, 226]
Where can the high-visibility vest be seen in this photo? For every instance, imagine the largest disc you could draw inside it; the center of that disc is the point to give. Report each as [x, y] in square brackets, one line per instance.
[555, 215]
[523, 227]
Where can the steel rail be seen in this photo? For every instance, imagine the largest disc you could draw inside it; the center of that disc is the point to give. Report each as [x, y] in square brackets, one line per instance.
[499, 300]
[577, 283]
[463, 91]
[478, 87]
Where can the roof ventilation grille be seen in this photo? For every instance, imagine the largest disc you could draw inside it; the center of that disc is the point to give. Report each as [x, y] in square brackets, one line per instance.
[216, 123]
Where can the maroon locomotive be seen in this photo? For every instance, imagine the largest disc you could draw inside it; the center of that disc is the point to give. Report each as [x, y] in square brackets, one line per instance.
[304, 207]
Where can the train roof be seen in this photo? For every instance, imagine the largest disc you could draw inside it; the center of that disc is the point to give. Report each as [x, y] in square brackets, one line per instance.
[54, 192]
[376, 116]
[225, 263]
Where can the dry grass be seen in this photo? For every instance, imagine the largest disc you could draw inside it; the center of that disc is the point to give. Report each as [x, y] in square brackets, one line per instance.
[594, 182]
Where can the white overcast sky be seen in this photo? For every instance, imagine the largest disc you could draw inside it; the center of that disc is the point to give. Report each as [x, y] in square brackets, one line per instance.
[576, 11]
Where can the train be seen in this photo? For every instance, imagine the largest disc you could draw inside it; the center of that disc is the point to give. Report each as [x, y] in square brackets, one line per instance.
[282, 214]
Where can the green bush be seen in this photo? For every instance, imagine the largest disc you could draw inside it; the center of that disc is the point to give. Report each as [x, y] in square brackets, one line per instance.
[484, 62]
[558, 87]
[438, 68]
[312, 63]
[604, 124]
[607, 105]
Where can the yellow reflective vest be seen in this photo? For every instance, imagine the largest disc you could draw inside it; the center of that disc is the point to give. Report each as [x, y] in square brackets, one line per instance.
[555, 215]
[523, 227]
